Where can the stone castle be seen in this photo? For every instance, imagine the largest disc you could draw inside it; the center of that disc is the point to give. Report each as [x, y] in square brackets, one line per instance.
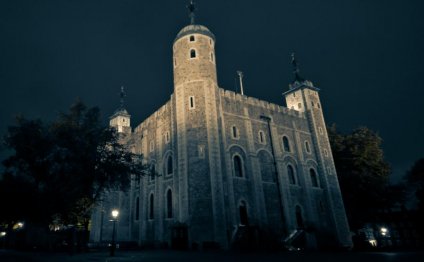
[223, 165]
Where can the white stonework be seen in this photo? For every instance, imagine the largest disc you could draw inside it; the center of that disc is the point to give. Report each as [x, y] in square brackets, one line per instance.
[208, 183]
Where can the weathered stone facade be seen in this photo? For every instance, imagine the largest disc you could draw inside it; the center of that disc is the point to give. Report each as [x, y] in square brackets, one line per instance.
[224, 161]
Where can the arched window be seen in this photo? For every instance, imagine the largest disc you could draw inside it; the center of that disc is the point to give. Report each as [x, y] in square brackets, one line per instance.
[290, 172]
[307, 147]
[151, 207]
[238, 170]
[137, 208]
[299, 218]
[192, 38]
[169, 169]
[192, 53]
[286, 144]
[243, 214]
[314, 178]
[169, 204]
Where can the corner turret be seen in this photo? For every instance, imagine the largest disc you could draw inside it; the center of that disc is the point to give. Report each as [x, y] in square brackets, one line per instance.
[121, 120]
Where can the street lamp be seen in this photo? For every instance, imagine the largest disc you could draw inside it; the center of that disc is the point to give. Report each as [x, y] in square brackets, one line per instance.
[384, 231]
[115, 214]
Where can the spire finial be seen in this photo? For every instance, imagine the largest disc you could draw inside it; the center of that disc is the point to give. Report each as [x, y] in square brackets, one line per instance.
[122, 95]
[296, 70]
[191, 8]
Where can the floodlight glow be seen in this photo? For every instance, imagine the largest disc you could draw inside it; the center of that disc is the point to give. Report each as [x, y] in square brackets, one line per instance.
[115, 213]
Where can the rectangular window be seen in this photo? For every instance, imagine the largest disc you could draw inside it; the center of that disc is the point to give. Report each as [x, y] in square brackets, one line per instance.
[191, 103]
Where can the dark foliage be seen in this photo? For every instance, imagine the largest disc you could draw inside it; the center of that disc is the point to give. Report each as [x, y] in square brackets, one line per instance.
[58, 170]
[415, 180]
[363, 174]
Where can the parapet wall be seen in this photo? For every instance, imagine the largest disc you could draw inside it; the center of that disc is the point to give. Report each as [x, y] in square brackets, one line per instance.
[259, 103]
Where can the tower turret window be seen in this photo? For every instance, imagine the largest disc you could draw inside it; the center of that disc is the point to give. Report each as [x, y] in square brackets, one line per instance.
[192, 53]
[234, 132]
[286, 144]
[192, 39]
[261, 135]
[307, 147]
[191, 102]
[212, 58]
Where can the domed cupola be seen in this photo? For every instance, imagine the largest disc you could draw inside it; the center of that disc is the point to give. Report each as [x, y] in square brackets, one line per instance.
[194, 53]
[195, 29]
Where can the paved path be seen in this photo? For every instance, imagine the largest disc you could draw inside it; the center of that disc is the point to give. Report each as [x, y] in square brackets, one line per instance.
[175, 256]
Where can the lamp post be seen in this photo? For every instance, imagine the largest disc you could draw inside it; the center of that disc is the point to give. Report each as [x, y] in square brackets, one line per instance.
[115, 214]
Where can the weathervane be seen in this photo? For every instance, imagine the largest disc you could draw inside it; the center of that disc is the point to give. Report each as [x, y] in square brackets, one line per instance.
[191, 8]
[122, 95]
[296, 70]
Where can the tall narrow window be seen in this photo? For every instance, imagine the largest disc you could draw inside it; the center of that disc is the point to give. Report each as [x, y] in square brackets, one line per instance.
[137, 208]
[151, 207]
[299, 218]
[286, 145]
[243, 214]
[261, 137]
[307, 147]
[234, 132]
[192, 38]
[290, 172]
[238, 170]
[167, 137]
[314, 178]
[212, 58]
[169, 169]
[192, 53]
[169, 204]
[191, 102]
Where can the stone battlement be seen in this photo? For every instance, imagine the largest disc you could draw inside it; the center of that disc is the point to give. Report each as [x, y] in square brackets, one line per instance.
[259, 103]
[150, 119]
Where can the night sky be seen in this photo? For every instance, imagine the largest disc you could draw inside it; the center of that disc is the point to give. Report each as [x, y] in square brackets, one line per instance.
[366, 56]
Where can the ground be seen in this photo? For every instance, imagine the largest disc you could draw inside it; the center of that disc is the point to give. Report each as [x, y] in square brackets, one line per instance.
[169, 256]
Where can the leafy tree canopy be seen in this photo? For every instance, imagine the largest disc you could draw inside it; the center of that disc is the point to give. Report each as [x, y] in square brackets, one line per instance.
[362, 171]
[59, 169]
